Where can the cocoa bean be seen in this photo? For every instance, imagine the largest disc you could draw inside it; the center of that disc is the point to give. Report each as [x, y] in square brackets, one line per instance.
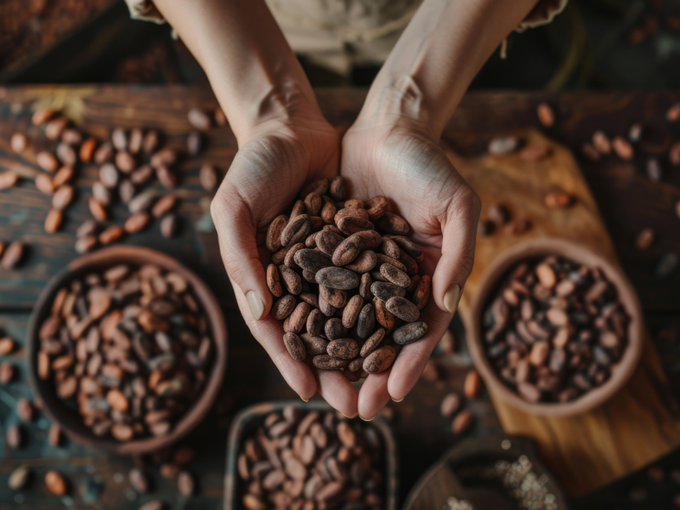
[137, 222]
[337, 189]
[387, 290]
[103, 153]
[450, 404]
[283, 307]
[44, 184]
[87, 149]
[395, 276]
[273, 282]
[546, 116]
[365, 262]
[96, 209]
[377, 207]
[42, 115]
[334, 329]
[472, 385]
[53, 221]
[46, 161]
[108, 175]
[380, 359]
[312, 260]
[422, 293]
[166, 177]
[275, 231]
[314, 344]
[291, 280]
[8, 179]
[169, 225]
[208, 177]
[163, 206]
[13, 255]
[343, 348]
[334, 297]
[372, 342]
[462, 422]
[19, 478]
[350, 314]
[409, 333]
[337, 278]
[296, 230]
[326, 362]
[365, 287]
[294, 346]
[366, 321]
[63, 175]
[62, 197]
[347, 250]
[351, 224]
[126, 191]
[119, 139]
[298, 318]
[56, 483]
[195, 144]
[55, 128]
[199, 119]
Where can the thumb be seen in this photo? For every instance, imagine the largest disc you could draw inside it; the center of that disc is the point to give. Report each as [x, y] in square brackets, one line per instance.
[459, 231]
[237, 233]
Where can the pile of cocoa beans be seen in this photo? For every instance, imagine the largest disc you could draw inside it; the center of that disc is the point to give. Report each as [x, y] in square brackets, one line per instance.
[554, 329]
[129, 348]
[347, 280]
[311, 460]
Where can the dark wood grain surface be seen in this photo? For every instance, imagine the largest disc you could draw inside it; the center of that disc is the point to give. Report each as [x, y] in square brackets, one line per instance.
[628, 202]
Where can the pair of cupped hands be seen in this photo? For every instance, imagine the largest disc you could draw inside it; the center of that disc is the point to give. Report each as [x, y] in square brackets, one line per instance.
[391, 157]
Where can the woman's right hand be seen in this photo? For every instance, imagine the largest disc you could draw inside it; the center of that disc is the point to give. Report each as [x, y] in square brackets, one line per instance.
[265, 177]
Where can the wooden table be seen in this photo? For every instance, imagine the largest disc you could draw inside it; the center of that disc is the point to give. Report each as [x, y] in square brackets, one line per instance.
[628, 202]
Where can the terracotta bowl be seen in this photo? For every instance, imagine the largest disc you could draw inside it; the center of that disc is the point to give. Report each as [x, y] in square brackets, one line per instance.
[620, 372]
[68, 419]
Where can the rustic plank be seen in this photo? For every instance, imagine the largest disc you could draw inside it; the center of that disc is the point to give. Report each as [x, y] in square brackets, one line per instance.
[584, 451]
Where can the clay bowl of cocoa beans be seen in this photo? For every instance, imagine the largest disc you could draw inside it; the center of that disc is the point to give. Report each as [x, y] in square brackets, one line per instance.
[287, 454]
[127, 349]
[556, 329]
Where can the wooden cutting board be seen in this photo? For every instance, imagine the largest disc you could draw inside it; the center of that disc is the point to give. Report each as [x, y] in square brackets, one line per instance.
[642, 421]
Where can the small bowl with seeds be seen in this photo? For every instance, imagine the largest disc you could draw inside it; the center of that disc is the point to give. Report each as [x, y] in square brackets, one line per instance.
[556, 329]
[127, 349]
[286, 454]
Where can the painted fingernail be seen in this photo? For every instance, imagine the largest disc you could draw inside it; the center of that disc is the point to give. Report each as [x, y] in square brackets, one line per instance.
[452, 297]
[364, 419]
[256, 305]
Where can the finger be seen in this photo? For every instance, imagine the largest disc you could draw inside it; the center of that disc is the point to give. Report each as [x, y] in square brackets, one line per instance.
[373, 395]
[269, 333]
[459, 231]
[238, 246]
[338, 391]
[412, 358]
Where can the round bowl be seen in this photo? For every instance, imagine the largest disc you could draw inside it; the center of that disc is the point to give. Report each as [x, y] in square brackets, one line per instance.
[620, 372]
[69, 420]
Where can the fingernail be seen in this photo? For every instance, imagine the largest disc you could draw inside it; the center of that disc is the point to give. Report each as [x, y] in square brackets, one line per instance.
[351, 417]
[397, 401]
[256, 305]
[366, 419]
[452, 297]
[305, 401]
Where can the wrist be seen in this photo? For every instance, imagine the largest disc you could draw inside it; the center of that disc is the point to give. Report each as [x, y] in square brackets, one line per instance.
[400, 105]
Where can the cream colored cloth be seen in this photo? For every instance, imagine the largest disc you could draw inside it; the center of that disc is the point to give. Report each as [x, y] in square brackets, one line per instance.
[338, 34]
